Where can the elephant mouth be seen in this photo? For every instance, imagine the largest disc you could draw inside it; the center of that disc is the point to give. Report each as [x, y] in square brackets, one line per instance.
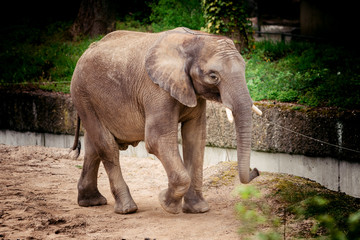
[212, 97]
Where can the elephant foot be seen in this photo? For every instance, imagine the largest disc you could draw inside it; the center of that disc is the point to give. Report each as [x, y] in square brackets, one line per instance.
[171, 206]
[91, 200]
[126, 208]
[195, 206]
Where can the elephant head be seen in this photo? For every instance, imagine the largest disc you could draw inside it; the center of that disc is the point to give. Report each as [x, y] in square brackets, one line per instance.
[190, 64]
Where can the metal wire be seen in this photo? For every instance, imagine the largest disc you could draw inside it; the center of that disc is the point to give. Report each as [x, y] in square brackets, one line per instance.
[314, 139]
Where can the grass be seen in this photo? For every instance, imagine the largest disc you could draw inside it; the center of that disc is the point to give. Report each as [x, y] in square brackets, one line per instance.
[40, 57]
[307, 73]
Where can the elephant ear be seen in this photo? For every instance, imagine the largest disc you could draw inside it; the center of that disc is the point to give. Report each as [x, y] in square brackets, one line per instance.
[167, 64]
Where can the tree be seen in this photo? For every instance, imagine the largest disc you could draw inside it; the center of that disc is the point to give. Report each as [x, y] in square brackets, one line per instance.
[95, 17]
[229, 18]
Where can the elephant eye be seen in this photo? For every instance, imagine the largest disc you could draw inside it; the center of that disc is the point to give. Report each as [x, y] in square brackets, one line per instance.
[214, 78]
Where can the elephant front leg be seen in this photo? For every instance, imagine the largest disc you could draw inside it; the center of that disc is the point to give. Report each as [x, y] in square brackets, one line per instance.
[163, 144]
[194, 137]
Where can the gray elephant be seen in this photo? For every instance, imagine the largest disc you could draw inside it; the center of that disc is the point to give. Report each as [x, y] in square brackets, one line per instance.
[132, 86]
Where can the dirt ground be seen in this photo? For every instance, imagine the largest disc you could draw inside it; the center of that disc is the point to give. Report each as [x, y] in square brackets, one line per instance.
[38, 196]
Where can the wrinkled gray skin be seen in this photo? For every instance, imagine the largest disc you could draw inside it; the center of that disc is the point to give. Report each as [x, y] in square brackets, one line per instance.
[133, 86]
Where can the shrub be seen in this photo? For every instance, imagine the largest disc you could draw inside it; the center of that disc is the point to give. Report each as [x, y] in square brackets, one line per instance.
[168, 14]
[131, 24]
[253, 214]
[296, 208]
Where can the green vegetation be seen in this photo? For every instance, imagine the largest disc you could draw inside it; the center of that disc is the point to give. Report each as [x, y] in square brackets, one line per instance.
[308, 73]
[169, 14]
[337, 214]
[303, 209]
[253, 214]
[311, 74]
[229, 18]
[79, 166]
[132, 24]
[281, 206]
[40, 57]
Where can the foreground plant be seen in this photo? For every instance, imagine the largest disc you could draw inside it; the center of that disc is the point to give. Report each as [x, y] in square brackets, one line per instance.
[255, 215]
[294, 207]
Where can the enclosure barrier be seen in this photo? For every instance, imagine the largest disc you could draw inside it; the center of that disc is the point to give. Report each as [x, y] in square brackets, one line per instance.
[321, 144]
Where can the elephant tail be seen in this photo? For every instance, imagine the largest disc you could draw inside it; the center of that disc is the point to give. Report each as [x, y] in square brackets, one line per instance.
[75, 149]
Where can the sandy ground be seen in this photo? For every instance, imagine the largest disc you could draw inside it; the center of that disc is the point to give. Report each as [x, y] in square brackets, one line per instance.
[38, 201]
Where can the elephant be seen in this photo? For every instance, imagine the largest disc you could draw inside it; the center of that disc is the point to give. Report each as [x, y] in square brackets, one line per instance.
[133, 86]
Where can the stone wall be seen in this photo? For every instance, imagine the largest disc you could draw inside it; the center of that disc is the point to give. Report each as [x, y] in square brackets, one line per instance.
[283, 128]
[293, 129]
[37, 111]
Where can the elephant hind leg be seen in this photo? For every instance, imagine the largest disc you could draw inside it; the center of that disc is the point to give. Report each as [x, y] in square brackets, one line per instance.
[100, 145]
[88, 193]
[124, 203]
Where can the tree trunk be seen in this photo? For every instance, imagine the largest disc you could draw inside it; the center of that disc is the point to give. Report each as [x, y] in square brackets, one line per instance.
[95, 17]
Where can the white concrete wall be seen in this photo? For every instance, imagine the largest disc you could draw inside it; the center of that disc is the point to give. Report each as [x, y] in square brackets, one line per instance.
[333, 174]
[15, 138]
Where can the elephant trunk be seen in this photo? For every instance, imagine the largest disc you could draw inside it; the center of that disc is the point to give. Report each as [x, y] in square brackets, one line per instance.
[243, 125]
[241, 106]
